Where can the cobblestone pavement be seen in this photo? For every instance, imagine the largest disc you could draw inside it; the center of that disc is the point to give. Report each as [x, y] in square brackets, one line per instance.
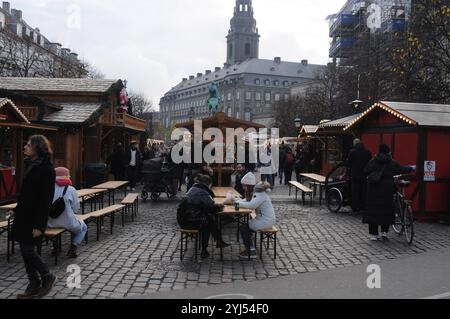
[143, 257]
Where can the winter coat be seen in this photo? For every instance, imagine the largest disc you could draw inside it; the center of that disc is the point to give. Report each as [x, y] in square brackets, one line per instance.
[128, 158]
[380, 195]
[117, 162]
[201, 195]
[34, 202]
[357, 161]
[238, 186]
[68, 219]
[262, 203]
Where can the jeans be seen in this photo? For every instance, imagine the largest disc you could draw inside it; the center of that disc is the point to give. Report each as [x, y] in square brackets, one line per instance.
[268, 178]
[288, 175]
[280, 174]
[373, 229]
[210, 229]
[247, 235]
[77, 239]
[34, 266]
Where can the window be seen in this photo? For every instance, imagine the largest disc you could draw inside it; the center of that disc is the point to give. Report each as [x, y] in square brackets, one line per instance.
[286, 83]
[286, 97]
[247, 49]
[258, 96]
[248, 116]
[277, 97]
[248, 95]
[229, 96]
[268, 97]
[257, 81]
[230, 50]
[276, 83]
[229, 112]
[238, 96]
[267, 82]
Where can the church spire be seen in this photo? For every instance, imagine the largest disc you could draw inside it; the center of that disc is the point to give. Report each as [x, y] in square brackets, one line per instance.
[243, 37]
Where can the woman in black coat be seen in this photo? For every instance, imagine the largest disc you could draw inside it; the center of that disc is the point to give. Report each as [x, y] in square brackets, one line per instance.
[380, 194]
[31, 214]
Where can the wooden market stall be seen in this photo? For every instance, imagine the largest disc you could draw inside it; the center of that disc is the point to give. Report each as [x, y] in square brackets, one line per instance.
[330, 138]
[418, 134]
[223, 172]
[90, 116]
[14, 130]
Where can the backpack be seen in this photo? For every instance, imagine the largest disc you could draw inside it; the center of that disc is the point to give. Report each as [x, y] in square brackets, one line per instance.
[190, 216]
[58, 206]
[290, 158]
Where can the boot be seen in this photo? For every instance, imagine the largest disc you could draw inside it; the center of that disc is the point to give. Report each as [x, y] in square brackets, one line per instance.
[32, 291]
[48, 282]
[204, 254]
[72, 253]
[221, 244]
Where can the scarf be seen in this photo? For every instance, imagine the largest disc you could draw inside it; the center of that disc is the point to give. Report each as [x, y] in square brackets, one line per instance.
[30, 164]
[62, 182]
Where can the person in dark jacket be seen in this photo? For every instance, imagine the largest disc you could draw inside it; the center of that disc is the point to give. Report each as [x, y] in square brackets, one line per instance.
[241, 171]
[282, 155]
[31, 214]
[200, 195]
[288, 164]
[380, 203]
[356, 162]
[117, 163]
[133, 161]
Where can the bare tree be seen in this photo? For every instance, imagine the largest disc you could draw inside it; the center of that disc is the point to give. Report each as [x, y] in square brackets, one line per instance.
[92, 71]
[140, 104]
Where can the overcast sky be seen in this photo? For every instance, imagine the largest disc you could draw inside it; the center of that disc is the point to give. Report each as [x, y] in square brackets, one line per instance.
[155, 43]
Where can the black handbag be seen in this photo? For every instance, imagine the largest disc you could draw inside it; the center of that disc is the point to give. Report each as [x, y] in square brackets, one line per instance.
[58, 206]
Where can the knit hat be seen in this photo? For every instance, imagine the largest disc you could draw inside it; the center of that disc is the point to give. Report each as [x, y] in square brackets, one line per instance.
[62, 173]
[262, 187]
[249, 179]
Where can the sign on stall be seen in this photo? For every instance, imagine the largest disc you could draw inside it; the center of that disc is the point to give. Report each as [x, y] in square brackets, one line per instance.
[430, 171]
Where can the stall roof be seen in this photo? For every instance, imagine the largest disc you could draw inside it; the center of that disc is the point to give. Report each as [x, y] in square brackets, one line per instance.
[73, 113]
[433, 115]
[220, 119]
[309, 129]
[8, 103]
[56, 85]
[342, 122]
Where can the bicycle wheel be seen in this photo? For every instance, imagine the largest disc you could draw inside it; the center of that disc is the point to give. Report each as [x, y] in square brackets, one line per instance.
[398, 226]
[334, 200]
[409, 224]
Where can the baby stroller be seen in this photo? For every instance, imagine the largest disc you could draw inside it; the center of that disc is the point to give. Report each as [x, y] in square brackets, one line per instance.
[157, 178]
[337, 189]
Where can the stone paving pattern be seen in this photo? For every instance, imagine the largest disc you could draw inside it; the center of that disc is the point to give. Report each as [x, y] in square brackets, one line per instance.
[143, 257]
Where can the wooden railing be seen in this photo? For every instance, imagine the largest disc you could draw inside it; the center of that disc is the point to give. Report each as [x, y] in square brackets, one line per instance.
[126, 120]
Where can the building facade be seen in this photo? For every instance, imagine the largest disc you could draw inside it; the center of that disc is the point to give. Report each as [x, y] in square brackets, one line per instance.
[26, 52]
[249, 86]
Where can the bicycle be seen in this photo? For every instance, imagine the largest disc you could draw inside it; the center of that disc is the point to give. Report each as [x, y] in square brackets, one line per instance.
[404, 220]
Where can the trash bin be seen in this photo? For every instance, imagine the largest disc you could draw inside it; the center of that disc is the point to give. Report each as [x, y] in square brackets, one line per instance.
[95, 174]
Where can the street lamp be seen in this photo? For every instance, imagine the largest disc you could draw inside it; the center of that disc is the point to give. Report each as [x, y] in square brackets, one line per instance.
[298, 122]
[356, 105]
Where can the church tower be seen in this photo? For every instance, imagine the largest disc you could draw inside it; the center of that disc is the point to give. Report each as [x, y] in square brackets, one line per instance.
[243, 37]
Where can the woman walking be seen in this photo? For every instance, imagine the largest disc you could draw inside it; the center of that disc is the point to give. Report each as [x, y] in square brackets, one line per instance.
[380, 192]
[31, 214]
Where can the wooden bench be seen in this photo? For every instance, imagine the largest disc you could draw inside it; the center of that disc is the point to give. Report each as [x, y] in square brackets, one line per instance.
[98, 216]
[54, 235]
[300, 187]
[130, 201]
[185, 236]
[269, 234]
[5, 227]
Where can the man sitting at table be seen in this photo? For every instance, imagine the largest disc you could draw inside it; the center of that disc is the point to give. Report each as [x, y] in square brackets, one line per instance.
[241, 171]
[68, 219]
[265, 217]
[199, 212]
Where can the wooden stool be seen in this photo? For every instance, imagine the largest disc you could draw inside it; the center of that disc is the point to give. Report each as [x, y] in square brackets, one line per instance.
[185, 236]
[269, 234]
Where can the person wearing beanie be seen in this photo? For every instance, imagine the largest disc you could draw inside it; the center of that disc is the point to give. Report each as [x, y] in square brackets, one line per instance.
[265, 216]
[68, 219]
[200, 197]
[248, 183]
[380, 192]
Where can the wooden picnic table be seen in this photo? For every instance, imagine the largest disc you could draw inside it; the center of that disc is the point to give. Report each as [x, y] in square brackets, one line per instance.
[111, 188]
[89, 193]
[317, 180]
[221, 192]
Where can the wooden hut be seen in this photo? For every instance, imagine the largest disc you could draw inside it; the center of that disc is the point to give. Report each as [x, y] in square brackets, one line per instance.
[88, 115]
[222, 122]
